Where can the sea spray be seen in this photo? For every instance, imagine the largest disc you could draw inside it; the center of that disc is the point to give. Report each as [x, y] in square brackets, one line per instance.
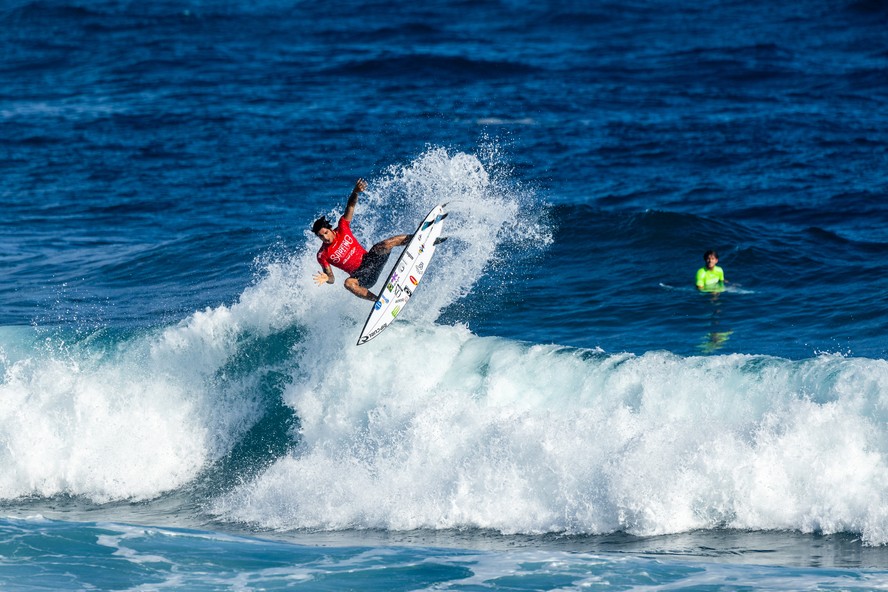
[489, 215]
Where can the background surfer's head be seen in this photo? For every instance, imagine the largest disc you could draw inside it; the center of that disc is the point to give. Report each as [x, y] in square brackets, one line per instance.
[710, 257]
[323, 229]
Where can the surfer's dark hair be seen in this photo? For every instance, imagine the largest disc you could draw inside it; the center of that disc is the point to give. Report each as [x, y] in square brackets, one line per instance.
[708, 253]
[321, 222]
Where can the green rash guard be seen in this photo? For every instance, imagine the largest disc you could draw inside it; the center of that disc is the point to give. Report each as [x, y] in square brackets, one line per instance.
[710, 279]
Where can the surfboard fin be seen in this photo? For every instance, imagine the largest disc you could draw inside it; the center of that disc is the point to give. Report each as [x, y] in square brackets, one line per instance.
[440, 240]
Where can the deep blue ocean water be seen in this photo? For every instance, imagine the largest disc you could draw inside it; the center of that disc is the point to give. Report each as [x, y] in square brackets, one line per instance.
[557, 408]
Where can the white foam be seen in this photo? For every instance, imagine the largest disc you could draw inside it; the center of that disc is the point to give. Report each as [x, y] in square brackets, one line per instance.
[528, 439]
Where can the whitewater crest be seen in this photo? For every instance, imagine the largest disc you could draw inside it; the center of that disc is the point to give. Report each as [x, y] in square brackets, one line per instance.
[522, 438]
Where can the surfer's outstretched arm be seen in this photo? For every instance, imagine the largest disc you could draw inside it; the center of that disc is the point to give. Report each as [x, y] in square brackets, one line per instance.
[360, 186]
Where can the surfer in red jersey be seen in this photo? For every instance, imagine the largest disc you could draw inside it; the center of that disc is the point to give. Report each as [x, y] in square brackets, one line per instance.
[341, 249]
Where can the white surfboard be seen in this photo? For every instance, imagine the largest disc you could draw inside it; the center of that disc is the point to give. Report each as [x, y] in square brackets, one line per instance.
[405, 275]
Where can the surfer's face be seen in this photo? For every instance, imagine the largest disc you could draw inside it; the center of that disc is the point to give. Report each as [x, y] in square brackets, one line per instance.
[326, 235]
[711, 261]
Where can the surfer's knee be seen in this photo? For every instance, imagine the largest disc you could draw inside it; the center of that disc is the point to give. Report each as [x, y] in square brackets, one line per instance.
[352, 285]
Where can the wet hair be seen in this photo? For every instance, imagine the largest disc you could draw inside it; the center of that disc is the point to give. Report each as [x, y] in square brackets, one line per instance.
[708, 253]
[321, 222]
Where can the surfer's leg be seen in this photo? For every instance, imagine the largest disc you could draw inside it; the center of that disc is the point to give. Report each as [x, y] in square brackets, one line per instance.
[355, 287]
[390, 243]
[375, 259]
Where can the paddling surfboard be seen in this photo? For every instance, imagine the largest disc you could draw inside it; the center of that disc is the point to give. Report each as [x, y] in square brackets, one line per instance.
[405, 275]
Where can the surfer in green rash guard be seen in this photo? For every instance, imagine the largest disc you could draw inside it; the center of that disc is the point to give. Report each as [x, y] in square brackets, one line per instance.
[711, 277]
[341, 249]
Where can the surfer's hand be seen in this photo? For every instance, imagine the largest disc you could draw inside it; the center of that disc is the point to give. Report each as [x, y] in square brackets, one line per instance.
[321, 278]
[360, 186]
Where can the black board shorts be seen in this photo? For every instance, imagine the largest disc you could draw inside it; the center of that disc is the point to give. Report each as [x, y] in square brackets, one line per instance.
[371, 266]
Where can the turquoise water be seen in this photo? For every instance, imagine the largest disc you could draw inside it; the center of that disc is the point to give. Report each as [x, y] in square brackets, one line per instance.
[107, 556]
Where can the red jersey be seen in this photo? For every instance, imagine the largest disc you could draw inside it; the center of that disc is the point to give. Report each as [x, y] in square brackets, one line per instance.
[345, 252]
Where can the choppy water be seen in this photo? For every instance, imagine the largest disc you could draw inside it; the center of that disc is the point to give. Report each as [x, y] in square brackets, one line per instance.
[182, 408]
